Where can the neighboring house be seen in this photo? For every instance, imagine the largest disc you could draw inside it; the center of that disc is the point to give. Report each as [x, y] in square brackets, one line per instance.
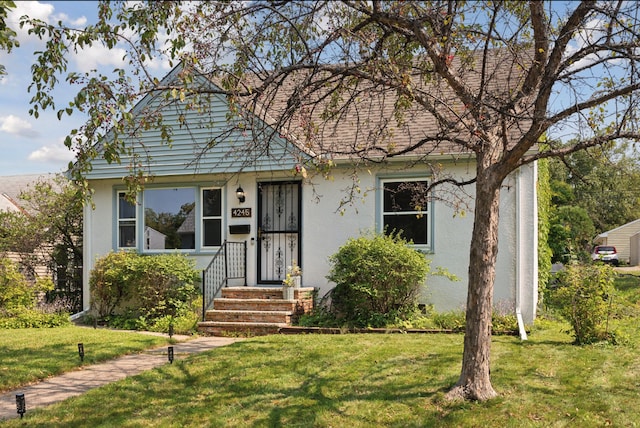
[10, 189]
[284, 218]
[154, 240]
[620, 237]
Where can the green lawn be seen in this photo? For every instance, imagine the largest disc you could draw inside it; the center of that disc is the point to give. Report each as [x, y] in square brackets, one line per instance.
[27, 355]
[356, 380]
[367, 380]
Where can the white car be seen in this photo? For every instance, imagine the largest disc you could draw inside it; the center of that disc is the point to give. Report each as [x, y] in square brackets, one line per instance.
[605, 254]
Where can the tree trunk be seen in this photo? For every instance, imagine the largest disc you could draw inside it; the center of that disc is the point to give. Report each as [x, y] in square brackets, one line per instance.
[475, 382]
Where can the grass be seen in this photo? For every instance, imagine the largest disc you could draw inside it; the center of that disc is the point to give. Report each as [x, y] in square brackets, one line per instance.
[367, 380]
[370, 380]
[28, 355]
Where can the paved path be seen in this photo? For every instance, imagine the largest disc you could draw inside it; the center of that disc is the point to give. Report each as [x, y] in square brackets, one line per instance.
[80, 381]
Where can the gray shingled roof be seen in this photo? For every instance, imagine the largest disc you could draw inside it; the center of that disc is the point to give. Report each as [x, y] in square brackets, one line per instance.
[11, 186]
[366, 123]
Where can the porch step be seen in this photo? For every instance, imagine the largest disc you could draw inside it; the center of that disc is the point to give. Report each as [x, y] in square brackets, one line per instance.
[279, 317]
[225, 304]
[216, 328]
[254, 310]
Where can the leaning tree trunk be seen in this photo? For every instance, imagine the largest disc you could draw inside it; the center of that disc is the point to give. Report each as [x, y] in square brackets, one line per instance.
[475, 382]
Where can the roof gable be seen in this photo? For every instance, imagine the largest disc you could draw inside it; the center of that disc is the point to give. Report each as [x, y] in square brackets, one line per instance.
[633, 223]
[273, 129]
[200, 142]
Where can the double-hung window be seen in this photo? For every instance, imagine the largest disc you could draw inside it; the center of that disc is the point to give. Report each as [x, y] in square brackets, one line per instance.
[126, 222]
[211, 217]
[405, 209]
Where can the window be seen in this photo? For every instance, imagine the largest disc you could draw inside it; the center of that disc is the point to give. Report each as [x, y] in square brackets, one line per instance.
[176, 218]
[405, 209]
[169, 219]
[126, 222]
[211, 217]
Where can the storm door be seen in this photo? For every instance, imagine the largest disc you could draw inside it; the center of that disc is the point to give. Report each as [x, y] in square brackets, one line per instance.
[278, 229]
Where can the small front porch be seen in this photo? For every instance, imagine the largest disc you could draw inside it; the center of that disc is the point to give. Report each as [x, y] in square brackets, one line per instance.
[254, 311]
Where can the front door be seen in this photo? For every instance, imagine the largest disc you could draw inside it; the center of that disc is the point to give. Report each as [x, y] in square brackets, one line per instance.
[278, 229]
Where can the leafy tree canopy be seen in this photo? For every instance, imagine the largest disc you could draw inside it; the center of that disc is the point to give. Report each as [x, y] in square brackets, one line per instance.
[603, 181]
[7, 35]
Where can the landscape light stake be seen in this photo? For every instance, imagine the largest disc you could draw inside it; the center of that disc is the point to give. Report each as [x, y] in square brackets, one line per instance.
[81, 351]
[170, 354]
[21, 406]
[170, 330]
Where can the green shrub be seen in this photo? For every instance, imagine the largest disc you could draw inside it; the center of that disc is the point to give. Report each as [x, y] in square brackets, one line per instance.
[378, 279]
[32, 318]
[111, 281]
[133, 291]
[19, 299]
[15, 290]
[583, 297]
[450, 320]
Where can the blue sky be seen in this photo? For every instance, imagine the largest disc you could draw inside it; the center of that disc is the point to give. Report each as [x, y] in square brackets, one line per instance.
[32, 146]
[29, 145]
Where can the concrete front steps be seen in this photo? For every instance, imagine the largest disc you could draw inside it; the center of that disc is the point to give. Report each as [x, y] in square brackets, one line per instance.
[254, 311]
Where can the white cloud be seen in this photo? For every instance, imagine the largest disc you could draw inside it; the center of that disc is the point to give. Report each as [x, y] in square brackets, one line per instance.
[94, 57]
[52, 153]
[14, 125]
[34, 9]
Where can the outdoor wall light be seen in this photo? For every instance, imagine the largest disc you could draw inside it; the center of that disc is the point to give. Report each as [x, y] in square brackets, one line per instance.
[170, 354]
[240, 194]
[21, 406]
[81, 351]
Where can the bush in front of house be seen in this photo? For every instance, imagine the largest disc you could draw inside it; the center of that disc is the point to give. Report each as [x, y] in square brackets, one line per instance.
[378, 279]
[19, 300]
[582, 296]
[134, 291]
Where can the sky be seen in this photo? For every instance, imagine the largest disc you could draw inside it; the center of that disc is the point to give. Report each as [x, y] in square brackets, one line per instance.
[34, 146]
[29, 145]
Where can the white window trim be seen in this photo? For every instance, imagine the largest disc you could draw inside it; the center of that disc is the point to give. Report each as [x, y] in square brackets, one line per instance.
[119, 221]
[201, 217]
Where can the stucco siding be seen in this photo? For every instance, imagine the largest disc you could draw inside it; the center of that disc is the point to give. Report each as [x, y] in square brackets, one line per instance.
[325, 228]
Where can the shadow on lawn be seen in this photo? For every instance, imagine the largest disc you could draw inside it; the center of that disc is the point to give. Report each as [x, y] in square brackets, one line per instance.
[279, 385]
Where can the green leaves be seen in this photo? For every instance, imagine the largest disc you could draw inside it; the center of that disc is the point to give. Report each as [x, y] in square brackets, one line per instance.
[378, 277]
[583, 295]
[143, 286]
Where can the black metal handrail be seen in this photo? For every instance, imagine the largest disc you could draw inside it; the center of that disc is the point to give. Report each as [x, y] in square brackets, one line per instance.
[230, 262]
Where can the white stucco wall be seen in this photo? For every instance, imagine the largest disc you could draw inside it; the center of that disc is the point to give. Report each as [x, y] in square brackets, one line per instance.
[325, 229]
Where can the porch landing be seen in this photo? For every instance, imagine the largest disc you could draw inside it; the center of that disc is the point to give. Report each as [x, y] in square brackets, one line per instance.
[254, 311]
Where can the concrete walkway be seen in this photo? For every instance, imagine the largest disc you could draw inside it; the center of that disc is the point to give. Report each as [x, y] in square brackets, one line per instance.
[74, 383]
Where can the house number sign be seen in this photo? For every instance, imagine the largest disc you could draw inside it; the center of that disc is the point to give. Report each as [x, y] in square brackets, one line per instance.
[240, 212]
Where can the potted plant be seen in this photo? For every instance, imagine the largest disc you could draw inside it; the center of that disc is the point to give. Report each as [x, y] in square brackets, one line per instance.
[291, 281]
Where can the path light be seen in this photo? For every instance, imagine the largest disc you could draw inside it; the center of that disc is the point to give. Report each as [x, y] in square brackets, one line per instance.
[170, 330]
[81, 351]
[170, 354]
[21, 406]
[240, 194]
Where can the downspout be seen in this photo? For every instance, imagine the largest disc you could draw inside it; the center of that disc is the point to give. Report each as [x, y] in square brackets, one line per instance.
[519, 279]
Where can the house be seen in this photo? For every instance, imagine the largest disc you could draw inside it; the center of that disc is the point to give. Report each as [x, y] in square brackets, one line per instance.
[11, 188]
[620, 237]
[13, 185]
[262, 200]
